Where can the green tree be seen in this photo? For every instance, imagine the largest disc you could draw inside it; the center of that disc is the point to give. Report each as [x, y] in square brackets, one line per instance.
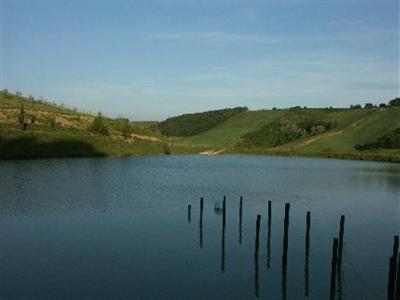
[21, 116]
[100, 125]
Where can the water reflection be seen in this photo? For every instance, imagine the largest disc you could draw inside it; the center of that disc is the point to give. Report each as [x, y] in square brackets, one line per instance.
[256, 279]
[284, 286]
[83, 205]
[340, 289]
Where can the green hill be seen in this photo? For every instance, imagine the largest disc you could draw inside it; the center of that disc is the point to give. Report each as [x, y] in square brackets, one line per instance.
[228, 133]
[191, 124]
[34, 128]
[31, 128]
[307, 132]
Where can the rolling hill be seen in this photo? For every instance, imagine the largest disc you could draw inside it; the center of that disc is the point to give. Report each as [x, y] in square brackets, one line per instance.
[352, 127]
[32, 128]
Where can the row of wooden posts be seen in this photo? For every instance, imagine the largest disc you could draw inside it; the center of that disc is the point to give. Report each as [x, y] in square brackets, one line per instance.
[337, 248]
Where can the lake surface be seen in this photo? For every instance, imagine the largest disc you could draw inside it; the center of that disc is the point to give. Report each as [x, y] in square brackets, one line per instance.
[118, 228]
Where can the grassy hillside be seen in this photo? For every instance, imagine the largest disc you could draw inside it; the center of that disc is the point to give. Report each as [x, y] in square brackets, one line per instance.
[370, 128]
[190, 124]
[352, 127]
[229, 132]
[32, 128]
[51, 130]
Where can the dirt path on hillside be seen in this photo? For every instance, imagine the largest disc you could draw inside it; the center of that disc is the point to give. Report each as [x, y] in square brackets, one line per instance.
[212, 152]
[145, 137]
[328, 134]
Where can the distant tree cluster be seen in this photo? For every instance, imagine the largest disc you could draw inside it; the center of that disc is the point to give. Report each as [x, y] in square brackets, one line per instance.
[390, 140]
[191, 124]
[286, 130]
[395, 102]
[392, 103]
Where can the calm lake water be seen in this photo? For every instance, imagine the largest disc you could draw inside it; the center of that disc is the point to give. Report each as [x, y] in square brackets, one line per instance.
[117, 228]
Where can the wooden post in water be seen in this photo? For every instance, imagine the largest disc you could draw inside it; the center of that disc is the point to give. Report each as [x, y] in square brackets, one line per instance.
[398, 279]
[341, 235]
[340, 258]
[391, 280]
[189, 213]
[334, 268]
[201, 222]
[269, 235]
[393, 269]
[395, 260]
[257, 242]
[223, 238]
[285, 250]
[224, 211]
[269, 210]
[240, 219]
[306, 264]
[285, 238]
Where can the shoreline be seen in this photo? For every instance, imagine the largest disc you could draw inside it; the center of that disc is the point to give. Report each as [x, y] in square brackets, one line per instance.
[376, 157]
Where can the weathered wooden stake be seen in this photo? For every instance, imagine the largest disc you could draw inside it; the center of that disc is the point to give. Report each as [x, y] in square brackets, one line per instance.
[189, 213]
[224, 211]
[341, 236]
[269, 235]
[201, 222]
[334, 268]
[395, 258]
[306, 264]
[201, 208]
[392, 279]
[257, 242]
[393, 269]
[398, 279]
[240, 219]
[269, 210]
[285, 238]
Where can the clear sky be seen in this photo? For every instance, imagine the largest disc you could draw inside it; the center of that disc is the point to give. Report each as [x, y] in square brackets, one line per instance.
[150, 60]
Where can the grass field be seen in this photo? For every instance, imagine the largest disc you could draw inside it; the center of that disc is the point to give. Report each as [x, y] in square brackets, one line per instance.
[372, 127]
[354, 126]
[228, 133]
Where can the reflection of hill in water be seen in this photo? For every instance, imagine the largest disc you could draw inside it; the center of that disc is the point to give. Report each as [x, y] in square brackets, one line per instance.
[100, 185]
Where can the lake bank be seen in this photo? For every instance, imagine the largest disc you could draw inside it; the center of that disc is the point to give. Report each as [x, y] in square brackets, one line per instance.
[29, 148]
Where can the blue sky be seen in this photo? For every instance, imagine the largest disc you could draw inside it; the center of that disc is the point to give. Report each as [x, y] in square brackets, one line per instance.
[150, 60]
